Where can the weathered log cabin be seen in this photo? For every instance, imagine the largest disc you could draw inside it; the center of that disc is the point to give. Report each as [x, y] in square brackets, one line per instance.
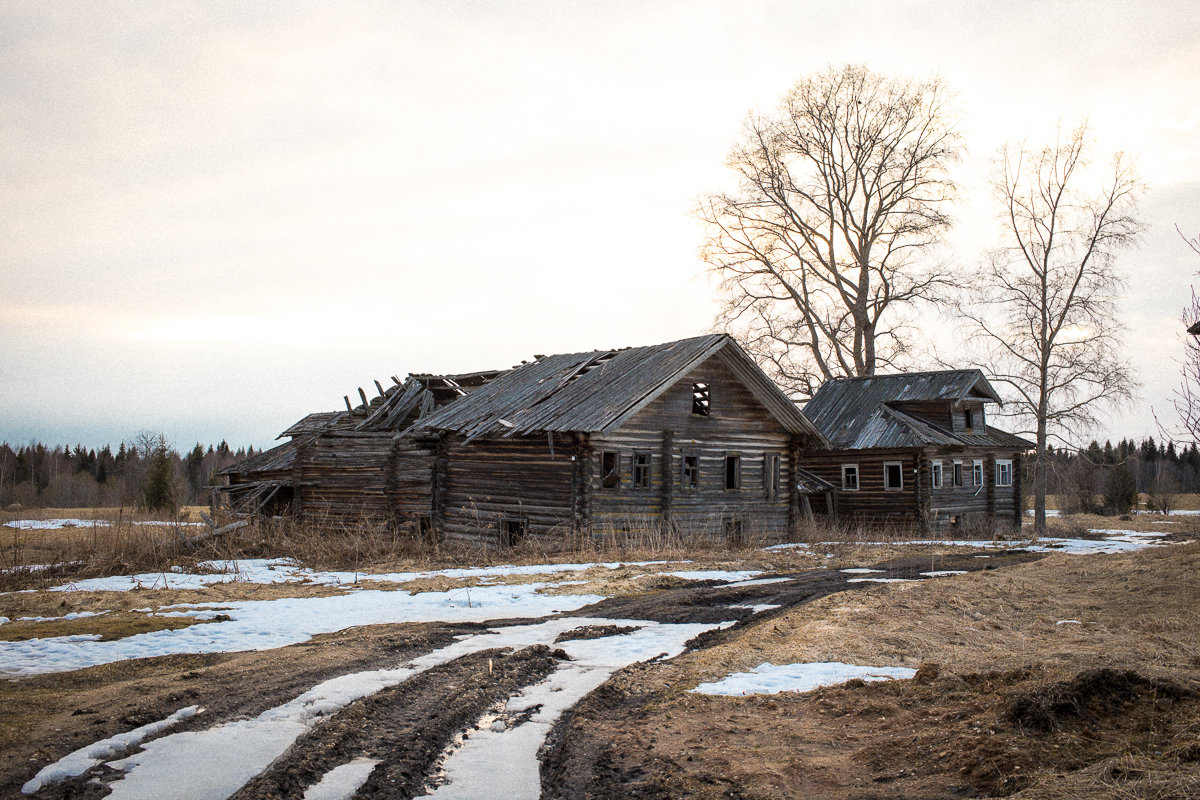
[351, 466]
[917, 448]
[688, 435]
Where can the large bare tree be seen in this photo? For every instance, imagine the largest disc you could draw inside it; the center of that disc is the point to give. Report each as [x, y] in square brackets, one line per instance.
[1187, 395]
[1043, 311]
[841, 193]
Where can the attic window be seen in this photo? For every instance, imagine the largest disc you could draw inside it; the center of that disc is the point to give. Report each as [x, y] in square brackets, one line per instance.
[969, 418]
[700, 399]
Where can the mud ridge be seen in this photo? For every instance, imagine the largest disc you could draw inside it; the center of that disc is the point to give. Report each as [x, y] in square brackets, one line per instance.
[405, 727]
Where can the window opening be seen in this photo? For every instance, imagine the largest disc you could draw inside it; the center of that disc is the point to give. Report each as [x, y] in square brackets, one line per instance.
[771, 475]
[977, 473]
[733, 472]
[1004, 474]
[691, 472]
[935, 474]
[512, 531]
[700, 399]
[968, 418]
[733, 532]
[893, 476]
[850, 477]
[610, 470]
[641, 470]
[957, 473]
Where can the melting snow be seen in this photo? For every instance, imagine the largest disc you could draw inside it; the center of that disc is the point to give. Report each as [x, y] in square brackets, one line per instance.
[244, 748]
[266, 624]
[942, 573]
[261, 570]
[341, 782]
[769, 678]
[85, 758]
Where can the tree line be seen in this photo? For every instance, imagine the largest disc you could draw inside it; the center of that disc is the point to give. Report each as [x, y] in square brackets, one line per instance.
[146, 472]
[1108, 478]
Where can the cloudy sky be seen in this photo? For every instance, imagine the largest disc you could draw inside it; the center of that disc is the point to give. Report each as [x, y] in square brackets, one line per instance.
[219, 216]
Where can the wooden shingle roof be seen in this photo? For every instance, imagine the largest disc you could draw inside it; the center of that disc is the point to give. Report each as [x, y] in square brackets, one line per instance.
[857, 413]
[597, 391]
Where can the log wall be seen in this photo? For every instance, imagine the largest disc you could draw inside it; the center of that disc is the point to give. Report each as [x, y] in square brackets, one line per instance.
[491, 482]
[919, 503]
[737, 424]
[343, 476]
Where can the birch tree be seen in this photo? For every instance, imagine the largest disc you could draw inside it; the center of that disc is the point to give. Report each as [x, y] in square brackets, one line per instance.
[1044, 309]
[841, 193]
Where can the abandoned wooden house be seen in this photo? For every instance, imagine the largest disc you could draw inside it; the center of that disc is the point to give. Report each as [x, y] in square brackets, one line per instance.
[689, 434]
[350, 466]
[917, 448]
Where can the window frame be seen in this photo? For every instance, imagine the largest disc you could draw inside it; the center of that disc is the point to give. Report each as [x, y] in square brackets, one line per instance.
[969, 418]
[772, 475]
[977, 474]
[1001, 465]
[935, 473]
[692, 485]
[899, 465]
[641, 475]
[857, 478]
[610, 480]
[956, 473]
[736, 460]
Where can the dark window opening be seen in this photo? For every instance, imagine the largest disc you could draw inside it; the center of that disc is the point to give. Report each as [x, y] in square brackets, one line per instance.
[893, 476]
[733, 472]
[700, 399]
[771, 476]
[691, 472]
[512, 531]
[733, 532]
[641, 470]
[958, 473]
[969, 417]
[610, 470]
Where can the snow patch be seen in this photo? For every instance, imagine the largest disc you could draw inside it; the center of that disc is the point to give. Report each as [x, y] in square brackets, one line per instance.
[942, 573]
[85, 758]
[769, 678]
[267, 624]
[729, 576]
[341, 782]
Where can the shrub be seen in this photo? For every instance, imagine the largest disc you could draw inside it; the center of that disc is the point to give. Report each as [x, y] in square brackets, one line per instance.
[1120, 490]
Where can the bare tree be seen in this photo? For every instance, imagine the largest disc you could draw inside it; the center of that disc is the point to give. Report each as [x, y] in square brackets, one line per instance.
[1044, 310]
[842, 191]
[1187, 396]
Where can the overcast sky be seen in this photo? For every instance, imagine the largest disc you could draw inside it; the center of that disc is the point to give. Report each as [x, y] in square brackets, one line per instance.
[218, 217]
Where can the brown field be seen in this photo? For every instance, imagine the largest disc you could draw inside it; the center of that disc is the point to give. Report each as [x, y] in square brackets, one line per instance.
[1065, 676]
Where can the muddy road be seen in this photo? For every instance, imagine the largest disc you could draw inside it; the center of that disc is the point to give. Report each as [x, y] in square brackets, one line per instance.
[408, 730]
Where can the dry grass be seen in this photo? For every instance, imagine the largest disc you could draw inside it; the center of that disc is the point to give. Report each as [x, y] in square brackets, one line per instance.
[1137, 610]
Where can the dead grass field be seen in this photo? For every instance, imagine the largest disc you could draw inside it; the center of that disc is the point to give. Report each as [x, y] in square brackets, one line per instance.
[1104, 649]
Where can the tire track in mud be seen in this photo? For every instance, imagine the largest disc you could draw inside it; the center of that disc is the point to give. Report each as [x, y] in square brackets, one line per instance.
[405, 727]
